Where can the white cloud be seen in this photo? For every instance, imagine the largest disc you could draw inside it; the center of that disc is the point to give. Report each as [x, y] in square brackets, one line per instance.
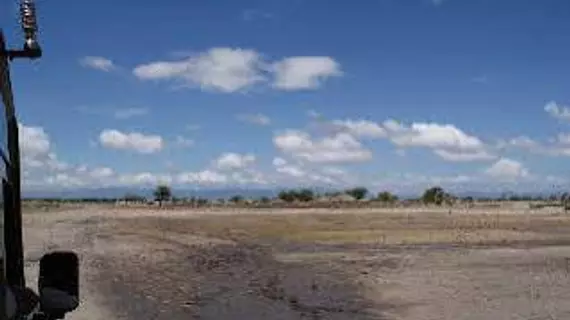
[99, 63]
[218, 69]
[258, 119]
[64, 180]
[127, 113]
[446, 140]
[361, 128]
[557, 111]
[238, 70]
[296, 174]
[250, 177]
[464, 156]
[133, 141]
[41, 166]
[33, 141]
[278, 161]
[36, 149]
[522, 142]
[295, 73]
[558, 146]
[205, 177]
[506, 168]
[341, 147]
[102, 172]
[293, 171]
[232, 161]
[432, 135]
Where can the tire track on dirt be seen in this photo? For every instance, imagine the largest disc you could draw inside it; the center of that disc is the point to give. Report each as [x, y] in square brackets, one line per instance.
[165, 279]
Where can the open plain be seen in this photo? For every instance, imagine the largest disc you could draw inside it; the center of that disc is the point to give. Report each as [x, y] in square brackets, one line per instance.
[310, 264]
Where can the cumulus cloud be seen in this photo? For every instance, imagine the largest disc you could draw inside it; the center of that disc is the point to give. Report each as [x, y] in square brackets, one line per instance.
[238, 70]
[341, 147]
[33, 141]
[506, 168]
[250, 177]
[218, 69]
[98, 63]
[36, 149]
[282, 166]
[361, 128]
[464, 156]
[297, 174]
[446, 140]
[257, 119]
[278, 161]
[42, 168]
[558, 146]
[133, 141]
[521, 141]
[231, 161]
[205, 177]
[297, 73]
[432, 135]
[293, 171]
[557, 111]
[101, 172]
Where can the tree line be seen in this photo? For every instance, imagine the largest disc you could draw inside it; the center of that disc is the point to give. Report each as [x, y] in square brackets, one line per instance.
[434, 195]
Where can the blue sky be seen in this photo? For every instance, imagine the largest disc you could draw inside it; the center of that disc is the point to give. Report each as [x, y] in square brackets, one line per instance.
[388, 94]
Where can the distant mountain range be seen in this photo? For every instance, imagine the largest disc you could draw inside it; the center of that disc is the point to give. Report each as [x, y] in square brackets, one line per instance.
[118, 192]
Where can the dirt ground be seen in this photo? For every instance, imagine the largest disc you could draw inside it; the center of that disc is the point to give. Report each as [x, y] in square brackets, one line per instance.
[160, 264]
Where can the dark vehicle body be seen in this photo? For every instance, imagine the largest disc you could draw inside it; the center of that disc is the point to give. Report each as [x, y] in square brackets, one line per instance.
[58, 291]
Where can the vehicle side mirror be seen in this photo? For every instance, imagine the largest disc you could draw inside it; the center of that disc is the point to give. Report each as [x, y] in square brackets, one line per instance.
[59, 283]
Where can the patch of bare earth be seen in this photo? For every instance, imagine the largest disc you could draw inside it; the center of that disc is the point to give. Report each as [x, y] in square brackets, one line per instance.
[302, 265]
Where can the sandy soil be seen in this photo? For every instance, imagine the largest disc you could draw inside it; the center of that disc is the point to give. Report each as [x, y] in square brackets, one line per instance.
[153, 264]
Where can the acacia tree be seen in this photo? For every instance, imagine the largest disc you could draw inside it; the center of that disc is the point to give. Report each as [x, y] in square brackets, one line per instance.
[434, 195]
[305, 195]
[357, 193]
[287, 195]
[237, 199]
[387, 196]
[162, 193]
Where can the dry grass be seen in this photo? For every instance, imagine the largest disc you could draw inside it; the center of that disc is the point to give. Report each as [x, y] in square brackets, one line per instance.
[357, 227]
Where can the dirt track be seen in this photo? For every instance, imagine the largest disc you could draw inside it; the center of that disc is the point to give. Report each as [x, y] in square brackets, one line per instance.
[189, 267]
